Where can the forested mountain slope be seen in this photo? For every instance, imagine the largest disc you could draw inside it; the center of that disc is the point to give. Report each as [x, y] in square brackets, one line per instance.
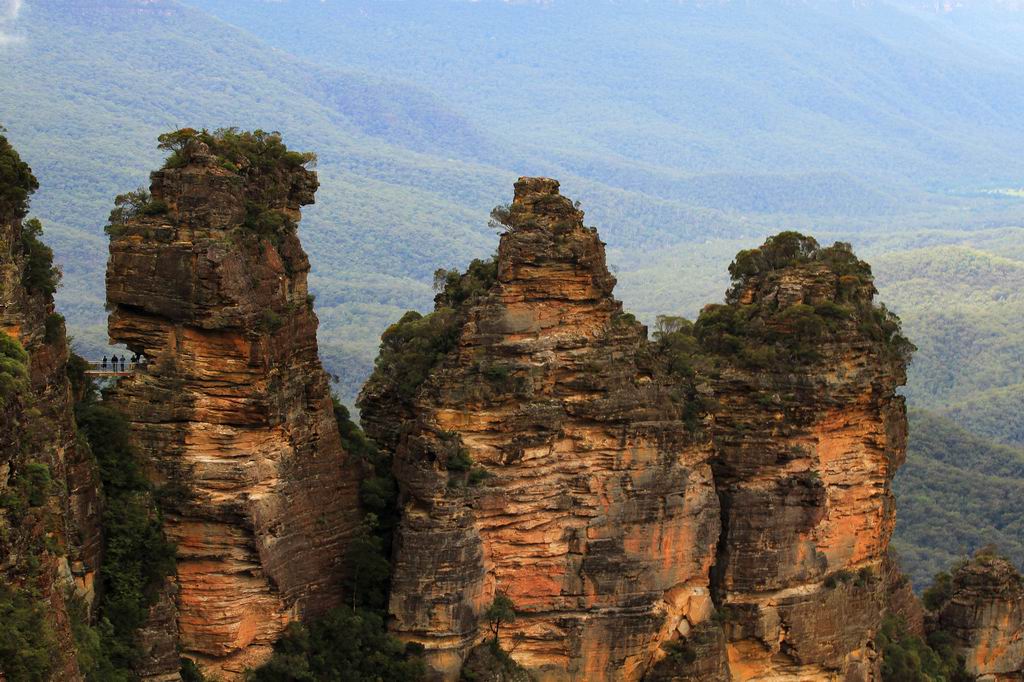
[956, 493]
[726, 122]
[690, 130]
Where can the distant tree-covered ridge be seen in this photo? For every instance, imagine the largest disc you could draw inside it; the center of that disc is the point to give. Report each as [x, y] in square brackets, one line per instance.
[957, 492]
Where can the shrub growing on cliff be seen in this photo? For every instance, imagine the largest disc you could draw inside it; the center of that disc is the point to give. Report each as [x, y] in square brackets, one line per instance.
[13, 368]
[26, 640]
[908, 658]
[258, 150]
[760, 335]
[502, 611]
[410, 348]
[17, 182]
[346, 644]
[40, 274]
[131, 205]
[137, 557]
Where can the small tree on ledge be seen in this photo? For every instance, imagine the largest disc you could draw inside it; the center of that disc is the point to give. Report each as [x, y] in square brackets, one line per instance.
[502, 611]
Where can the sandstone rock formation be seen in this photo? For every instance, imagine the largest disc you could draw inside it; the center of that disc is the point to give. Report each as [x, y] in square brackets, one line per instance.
[545, 456]
[984, 613]
[545, 448]
[808, 435]
[233, 416]
[53, 545]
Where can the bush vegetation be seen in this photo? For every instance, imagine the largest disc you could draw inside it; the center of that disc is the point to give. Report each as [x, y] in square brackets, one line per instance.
[137, 556]
[908, 658]
[131, 205]
[957, 492]
[760, 335]
[255, 152]
[27, 642]
[413, 346]
[13, 368]
[40, 274]
[347, 644]
[17, 182]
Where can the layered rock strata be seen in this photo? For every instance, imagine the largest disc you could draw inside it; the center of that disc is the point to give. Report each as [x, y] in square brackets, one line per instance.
[808, 435]
[984, 614]
[232, 413]
[53, 545]
[546, 457]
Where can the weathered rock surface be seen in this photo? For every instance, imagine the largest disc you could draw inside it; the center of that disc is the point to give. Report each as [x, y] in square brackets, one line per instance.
[62, 536]
[985, 616]
[589, 502]
[233, 415]
[806, 447]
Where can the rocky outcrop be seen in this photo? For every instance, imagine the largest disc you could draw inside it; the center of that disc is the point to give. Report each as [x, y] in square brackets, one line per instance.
[546, 449]
[50, 542]
[233, 415]
[544, 455]
[984, 615]
[808, 435]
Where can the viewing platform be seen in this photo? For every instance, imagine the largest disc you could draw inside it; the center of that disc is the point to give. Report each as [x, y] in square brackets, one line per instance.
[115, 369]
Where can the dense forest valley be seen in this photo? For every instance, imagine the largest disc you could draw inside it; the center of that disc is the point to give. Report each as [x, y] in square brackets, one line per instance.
[387, 523]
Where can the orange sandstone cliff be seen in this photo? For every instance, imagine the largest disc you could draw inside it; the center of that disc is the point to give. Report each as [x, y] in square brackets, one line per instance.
[544, 456]
[984, 614]
[808, 435]
[714, 504]
[233, 416]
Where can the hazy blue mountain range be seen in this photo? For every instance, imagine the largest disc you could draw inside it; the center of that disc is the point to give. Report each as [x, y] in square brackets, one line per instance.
[689, 130]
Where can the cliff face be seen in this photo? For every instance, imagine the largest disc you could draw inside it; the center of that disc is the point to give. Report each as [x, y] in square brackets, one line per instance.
[50, 541]
[546, 449]
[207, 280]
[543, 456]
[984, 614]
[808, 435]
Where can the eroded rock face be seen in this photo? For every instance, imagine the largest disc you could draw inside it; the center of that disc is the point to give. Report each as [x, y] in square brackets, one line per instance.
[806, 447]
[60, 538]
[985, 616]
[588, 502]
[233, 415]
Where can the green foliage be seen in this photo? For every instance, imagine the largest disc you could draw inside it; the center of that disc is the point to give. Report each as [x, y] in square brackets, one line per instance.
[249, 152]
[939, 592]
[502, 611]
[16, 182]
[190, 672]
[411, 347]
[92, 645]
[501, 217]
[906, 658]
[346, 644]
[40, 275]
[680, 652]
[957, 493]
[13, 368]
[760, 335]
[137, 557]
[368, 567]
[27, 642]
[456, 288]
[780, 251]
[270, 322]
[53, 328]
[459, 460]
[131, 205]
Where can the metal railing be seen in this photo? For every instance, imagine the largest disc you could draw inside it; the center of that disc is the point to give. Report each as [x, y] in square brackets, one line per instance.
[116, 368]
